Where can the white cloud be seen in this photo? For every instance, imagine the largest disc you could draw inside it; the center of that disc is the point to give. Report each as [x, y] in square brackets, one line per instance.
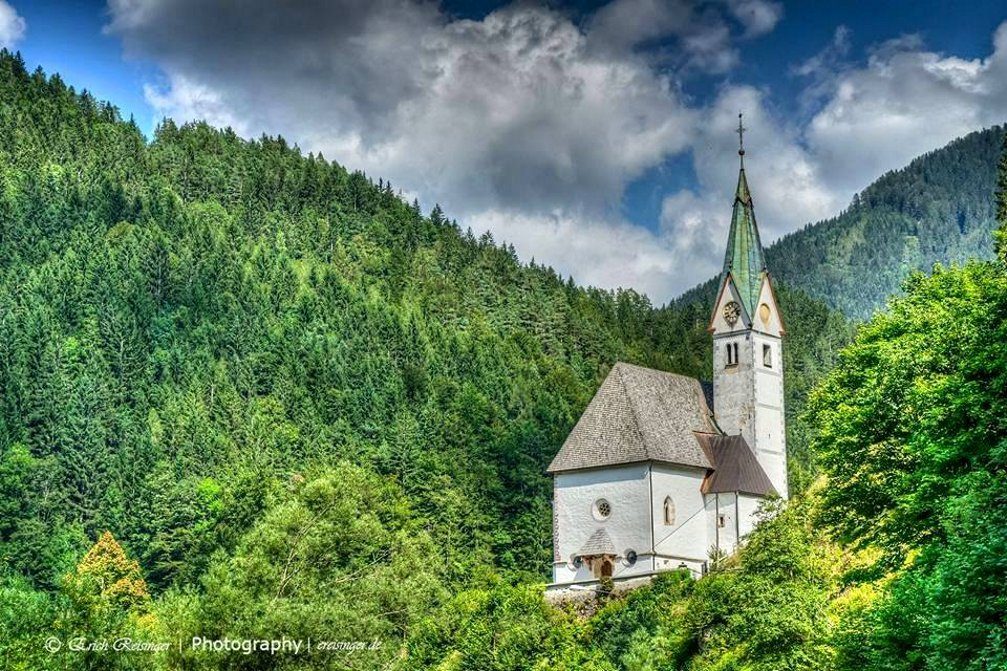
[606, 253]
[517, 122]
[12, 25]
[788, 189]
[905, 101]
[517, 112]
[186, 99]
[758, 16]
[531, 125]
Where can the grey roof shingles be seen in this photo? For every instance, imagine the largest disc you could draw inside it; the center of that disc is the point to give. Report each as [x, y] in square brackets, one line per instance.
[600, 543]
[639, 414]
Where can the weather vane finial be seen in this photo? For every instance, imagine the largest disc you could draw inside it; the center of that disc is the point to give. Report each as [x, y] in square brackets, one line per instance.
[741, 141]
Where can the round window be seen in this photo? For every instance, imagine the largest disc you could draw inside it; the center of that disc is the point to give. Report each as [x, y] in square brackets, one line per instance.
[602, 509]
[631, 557]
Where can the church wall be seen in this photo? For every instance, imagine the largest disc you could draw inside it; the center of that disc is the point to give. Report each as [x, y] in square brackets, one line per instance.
[711, 522]
[733, 391]
[627, 489]
[688, 537]
[723, 535]
[770, 423]
[748, 505]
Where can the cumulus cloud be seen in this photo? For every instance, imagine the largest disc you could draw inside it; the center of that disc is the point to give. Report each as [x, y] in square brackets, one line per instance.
[606, 252]
[704, 40]
[12, 25]
[515, 109]
[787, 184]
[531, 125]
[907, 100]
[521, 122]
[757, 16]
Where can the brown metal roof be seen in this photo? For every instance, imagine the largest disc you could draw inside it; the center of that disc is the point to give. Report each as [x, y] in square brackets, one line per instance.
[735, 467]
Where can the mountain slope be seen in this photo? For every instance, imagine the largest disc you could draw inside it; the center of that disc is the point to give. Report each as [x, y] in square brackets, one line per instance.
[938, 209]
[280, 387]
[188, 323]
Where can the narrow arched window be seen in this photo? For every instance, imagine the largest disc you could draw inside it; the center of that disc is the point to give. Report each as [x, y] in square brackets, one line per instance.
[732, 354]
[669, 511]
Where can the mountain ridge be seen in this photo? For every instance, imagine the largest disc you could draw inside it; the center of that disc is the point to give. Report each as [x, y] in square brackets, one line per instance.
[937, 209]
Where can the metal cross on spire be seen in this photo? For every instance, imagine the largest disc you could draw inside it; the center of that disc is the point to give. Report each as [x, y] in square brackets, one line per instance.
[741, 141]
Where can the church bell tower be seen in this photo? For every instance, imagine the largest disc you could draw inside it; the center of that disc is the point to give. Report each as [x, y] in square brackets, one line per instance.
[747, 330]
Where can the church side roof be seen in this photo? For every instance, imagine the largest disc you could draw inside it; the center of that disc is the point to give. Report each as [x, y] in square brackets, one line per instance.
[735, 467]
[600, 543]
[639, 414]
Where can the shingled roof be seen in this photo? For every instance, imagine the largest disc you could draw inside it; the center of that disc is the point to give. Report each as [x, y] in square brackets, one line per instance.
[600, 543]
[736, 468]
[639, 414]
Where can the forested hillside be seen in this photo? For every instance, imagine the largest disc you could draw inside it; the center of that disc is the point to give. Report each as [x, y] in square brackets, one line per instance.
[296, 403]
[894, 560]
[938, 209]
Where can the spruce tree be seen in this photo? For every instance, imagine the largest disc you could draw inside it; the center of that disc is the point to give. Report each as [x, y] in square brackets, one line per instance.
[1001, 204]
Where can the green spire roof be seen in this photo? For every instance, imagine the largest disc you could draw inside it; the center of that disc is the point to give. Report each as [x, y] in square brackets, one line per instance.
[744, 259]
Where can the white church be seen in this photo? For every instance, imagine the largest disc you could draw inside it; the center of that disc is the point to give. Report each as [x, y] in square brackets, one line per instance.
[663, 471]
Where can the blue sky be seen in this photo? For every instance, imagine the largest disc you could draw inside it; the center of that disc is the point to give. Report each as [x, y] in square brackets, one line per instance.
[594, 136]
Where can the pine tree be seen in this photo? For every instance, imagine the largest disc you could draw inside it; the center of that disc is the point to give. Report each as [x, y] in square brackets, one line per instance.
[1001, 204]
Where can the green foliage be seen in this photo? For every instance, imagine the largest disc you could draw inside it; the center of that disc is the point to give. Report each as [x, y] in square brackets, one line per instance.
[912, 433]
[768, 611]
[26, 619]
[1001, 204]
[500, 627]
[340, 555]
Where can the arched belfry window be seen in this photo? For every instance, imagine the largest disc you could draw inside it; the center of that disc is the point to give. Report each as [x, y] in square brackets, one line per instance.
[669, 511]
[732, 354]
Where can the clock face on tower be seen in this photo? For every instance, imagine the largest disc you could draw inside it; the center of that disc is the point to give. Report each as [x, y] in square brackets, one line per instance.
[731, 312]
